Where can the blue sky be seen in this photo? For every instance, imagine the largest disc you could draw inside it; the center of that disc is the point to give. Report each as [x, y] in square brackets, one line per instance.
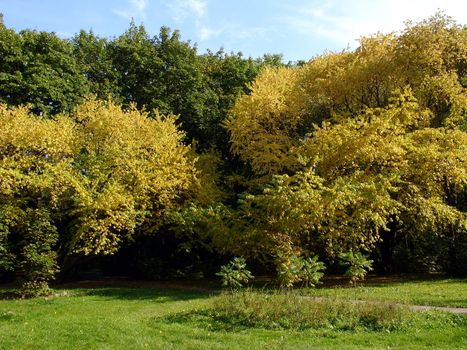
[299, 29]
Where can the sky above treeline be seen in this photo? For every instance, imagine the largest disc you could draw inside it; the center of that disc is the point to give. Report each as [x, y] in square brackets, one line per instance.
[299, 29]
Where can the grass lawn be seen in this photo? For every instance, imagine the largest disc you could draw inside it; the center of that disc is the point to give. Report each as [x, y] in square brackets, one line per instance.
[436, 292]
[155, 318]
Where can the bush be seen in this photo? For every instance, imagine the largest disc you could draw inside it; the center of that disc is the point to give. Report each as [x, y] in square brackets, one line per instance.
[293, 311]
[235, 274]
[6, 258]
[293, 269]
[358, 266]
[37, 258]
[312, 271]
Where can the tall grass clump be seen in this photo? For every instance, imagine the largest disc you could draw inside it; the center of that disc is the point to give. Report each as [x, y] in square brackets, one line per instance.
[289, 310]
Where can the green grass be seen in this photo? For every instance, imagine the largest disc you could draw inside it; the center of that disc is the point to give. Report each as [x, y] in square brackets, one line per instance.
[291, 310]
[436, 292]
[149, 318]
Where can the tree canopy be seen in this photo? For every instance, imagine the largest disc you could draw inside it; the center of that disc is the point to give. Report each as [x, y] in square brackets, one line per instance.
[358, 145]
[143, 147]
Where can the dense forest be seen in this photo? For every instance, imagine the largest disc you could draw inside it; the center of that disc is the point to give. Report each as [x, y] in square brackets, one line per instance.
[139, 156]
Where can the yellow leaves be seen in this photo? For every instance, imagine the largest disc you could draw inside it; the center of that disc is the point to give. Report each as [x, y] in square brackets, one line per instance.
[263, 124]
[105, 218]
[382, 128]
[359, 174]
[207, 187]
[436, 44]
[104, 169]
[134, 168]
[348, 212]
[267, 126]
[432, 214]
[19, 132]
[438, 157]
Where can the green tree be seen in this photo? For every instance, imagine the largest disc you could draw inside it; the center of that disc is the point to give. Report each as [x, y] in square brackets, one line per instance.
[228, 76]
[39, 68]
[95, 61]
[138, 68]
[165, 73]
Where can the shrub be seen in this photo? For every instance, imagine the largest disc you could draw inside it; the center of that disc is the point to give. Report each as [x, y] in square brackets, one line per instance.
[235, 274]
[288, 270]
[358, 266]
[312, 271]
[37, 257]
[6, 258]
[292, 269]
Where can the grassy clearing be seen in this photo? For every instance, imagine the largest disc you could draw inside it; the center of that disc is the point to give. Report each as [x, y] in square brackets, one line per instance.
[139, 318]
[436, 292]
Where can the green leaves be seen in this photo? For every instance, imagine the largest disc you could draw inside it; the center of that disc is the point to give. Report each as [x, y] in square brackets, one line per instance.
[293, 269]
[358, 266]
[235, 274]
[37, 256]
[39, 68]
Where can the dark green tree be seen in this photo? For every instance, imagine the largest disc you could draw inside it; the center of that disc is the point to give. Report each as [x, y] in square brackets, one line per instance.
[137, 67]
[39, 68]
[185, 89]
[229, 76]
[94, 57]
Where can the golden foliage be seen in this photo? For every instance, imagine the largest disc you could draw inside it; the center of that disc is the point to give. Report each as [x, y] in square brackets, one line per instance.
[355, 142]
[105, 170]
[429, 57]
[263, 124]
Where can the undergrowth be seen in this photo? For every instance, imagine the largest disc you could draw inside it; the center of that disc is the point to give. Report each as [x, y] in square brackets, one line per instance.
[289, 310]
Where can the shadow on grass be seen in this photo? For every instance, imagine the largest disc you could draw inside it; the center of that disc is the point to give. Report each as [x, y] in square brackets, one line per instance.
[154, 294]
[158, 295]
[8, 294]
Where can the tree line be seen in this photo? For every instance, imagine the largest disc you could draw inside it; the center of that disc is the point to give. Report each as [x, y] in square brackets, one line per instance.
[170, 162]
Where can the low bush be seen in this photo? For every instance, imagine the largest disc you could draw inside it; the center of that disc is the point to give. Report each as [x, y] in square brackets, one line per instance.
[358, 265]
[235, 274]
[292, 269]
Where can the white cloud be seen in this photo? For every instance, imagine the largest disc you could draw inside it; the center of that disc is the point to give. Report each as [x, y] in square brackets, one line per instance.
[206, 33]
[197, 6]
[140, 5]
[230, 32]
[182, 9]
[344, 21]
[136, 9]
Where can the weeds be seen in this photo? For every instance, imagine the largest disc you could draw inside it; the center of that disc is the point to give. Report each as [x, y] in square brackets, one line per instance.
[289, 310]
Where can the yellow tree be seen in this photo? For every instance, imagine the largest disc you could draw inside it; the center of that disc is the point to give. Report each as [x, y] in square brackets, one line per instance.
[264, 124]
[34, 154]
[84, 183]
[430, 57]
[378, 174]
[130, 169]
